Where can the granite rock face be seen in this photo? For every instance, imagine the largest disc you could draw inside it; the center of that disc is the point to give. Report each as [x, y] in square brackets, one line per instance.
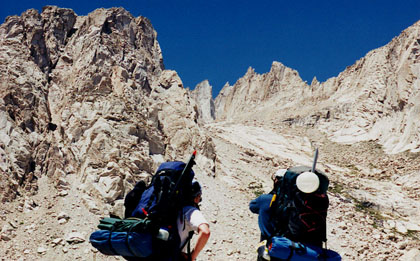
[202, 94]
[253, 92]
[377, 98]
[27, 53]
[88, 95]
[380, 94]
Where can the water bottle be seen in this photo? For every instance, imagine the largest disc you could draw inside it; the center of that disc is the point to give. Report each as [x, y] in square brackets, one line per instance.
[263, 253]
[163, 234]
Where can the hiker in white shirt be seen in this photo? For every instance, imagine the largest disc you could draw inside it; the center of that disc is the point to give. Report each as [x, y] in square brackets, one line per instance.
[190, 221]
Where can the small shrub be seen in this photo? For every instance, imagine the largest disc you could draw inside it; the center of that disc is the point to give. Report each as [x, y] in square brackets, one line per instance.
[337, 188]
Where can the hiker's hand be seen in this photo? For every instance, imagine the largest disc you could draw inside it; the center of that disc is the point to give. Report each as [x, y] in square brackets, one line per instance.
[185, 257]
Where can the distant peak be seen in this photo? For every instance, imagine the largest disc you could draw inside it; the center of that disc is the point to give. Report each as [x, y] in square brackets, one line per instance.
[314, 81]
[204, 87]
[226, 84]
[277, 66]
[250, 70]
[203, 84]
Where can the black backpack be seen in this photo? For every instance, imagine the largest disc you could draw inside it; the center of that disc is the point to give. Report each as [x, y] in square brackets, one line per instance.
[299, 216]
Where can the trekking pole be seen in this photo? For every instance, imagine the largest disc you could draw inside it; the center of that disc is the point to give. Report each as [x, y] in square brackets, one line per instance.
[188, 167]
[315, 159]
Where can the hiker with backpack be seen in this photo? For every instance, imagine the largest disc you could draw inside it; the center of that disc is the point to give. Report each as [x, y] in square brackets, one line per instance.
[261, 206]
[160, 218]
[294, 226]
[191, 221]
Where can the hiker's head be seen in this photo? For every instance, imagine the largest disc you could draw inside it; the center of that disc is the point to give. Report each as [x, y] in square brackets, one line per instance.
[278, 176]
[196, 192]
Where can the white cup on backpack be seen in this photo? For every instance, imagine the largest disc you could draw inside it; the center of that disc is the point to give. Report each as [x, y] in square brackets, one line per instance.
[163, 234]
[307, 182]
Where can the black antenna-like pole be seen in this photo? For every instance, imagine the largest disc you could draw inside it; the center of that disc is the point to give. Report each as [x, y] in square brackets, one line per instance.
[188, 167]
[315, 159]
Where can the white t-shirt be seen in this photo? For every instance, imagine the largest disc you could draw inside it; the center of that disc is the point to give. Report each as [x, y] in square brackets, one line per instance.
[193, 218]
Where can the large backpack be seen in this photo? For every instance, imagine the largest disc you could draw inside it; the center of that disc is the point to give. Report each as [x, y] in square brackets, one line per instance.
[300, 216]
[150, 226]
[167, 193]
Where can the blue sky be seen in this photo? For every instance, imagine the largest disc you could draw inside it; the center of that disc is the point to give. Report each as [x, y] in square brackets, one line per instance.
[219, 39]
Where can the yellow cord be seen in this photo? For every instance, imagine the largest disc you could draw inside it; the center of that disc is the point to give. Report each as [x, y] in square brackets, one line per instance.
[273, 199]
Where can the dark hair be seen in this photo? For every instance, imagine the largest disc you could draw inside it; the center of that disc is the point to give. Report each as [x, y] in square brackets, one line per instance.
[195, 189]
[276, 184]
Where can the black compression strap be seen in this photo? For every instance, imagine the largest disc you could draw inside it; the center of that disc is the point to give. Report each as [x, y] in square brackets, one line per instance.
[156, 185]
[127, 235]
[292, 249]
[109, 240]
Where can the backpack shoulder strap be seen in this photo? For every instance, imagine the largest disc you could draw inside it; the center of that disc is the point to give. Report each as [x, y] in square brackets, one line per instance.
[188, 241]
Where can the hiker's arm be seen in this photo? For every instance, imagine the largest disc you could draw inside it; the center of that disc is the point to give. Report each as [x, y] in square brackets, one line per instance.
[203, 236]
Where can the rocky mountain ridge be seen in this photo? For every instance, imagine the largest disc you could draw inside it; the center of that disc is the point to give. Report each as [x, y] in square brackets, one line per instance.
[88, 96]
[377, 98]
